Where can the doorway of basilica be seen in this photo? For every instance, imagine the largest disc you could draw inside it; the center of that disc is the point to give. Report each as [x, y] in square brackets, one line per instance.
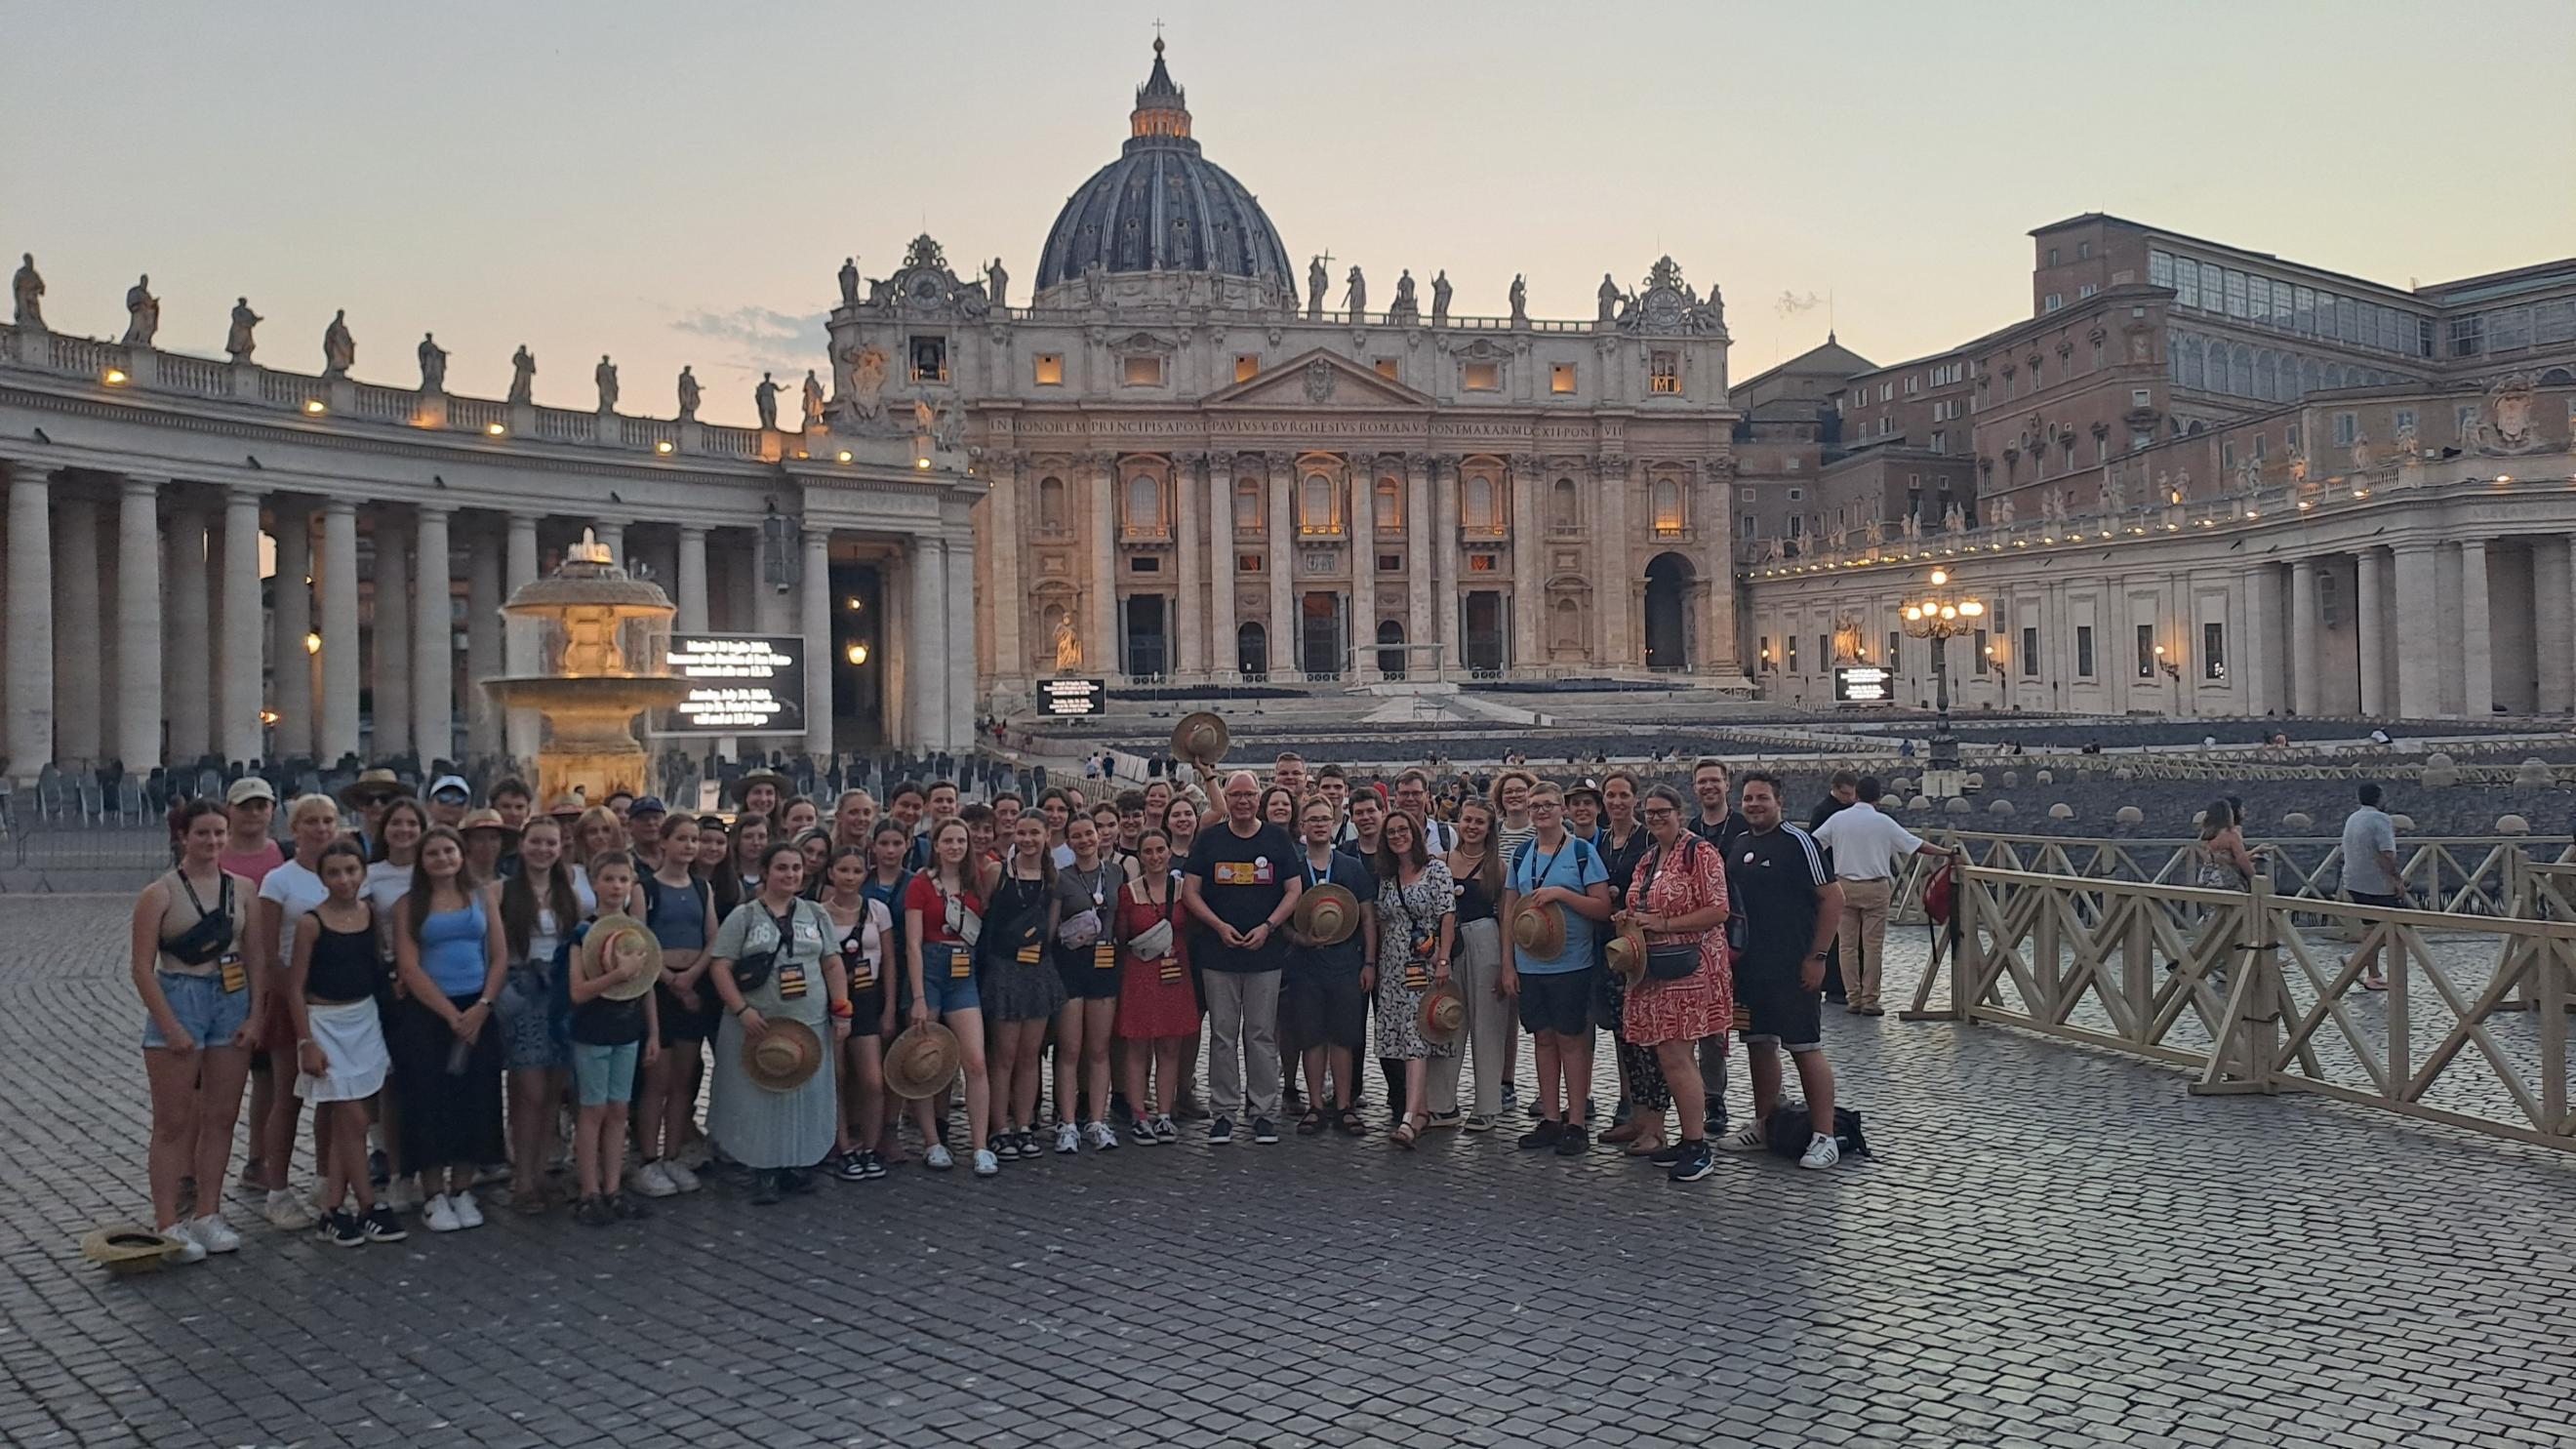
[1322, 631]
[1668, 585]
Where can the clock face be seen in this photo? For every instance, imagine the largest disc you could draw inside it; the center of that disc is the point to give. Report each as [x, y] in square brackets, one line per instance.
[1663, 309]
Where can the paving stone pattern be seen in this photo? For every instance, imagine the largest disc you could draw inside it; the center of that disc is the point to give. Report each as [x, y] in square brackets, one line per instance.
[2054, 1248]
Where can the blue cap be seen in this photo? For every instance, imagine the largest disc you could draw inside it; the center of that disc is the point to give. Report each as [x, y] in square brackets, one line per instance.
[648, 805]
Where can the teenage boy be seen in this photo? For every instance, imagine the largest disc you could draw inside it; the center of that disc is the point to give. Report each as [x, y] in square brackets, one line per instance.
[1555, 990]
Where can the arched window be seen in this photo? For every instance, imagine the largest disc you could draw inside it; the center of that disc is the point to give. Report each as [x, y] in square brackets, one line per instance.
[1668, 507]
[2240, 371]
[1566, 631]
[1144, 502]
[1315, 505]
[2191, 362]
[1389, 517]
[2334, 376]
[1565, 508]
[1247, 507]
[1478, 504]
[2267, 377]
[1252, 651]
[1051, 505]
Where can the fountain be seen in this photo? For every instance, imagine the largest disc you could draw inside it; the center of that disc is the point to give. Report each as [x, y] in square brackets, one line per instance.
[602, 657]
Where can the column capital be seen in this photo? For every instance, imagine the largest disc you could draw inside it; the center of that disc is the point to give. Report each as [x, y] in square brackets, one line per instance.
[687, 530]
[130, 486]
[434, 507]
[340, 507]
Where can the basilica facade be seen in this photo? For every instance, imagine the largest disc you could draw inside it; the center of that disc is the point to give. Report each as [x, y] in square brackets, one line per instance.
[1198, 476]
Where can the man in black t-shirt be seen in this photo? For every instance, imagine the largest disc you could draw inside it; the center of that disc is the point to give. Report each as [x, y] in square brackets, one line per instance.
[1778, 885]
[1240, 884]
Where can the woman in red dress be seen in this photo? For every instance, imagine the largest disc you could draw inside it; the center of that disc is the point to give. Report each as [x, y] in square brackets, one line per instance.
[1678, 898]
[1158, 1009]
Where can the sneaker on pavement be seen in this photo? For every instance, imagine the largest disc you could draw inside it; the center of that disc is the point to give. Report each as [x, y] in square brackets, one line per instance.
[986, 1164]
[1264, 1130]
[1165, 1129]
[1101, 1137]
[438, 1216]
[1143, 1132]
[1695, 1161]
[654, 1180]
[1450, 1120]
[1573, 1142]
[381, 1226]
[1068, 1138]
[1543, 1135]
[188, 1249]
[1220, 1132]
[341, 1230]
[1673, 1154]
[1743, 1139]
[469, 1213]
[1822, 1151]
[874, 1162]
[938, 1158]
[214, 1234]
[1006, 1146]
[285, 1211]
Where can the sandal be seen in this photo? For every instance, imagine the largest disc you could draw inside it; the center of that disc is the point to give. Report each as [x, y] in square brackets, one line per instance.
[1350, 1123]
[1311, 1123]
[1405, 1134]
[1648, 1144]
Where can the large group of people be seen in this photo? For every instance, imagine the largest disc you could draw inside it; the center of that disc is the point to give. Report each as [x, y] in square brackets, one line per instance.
[497, 997]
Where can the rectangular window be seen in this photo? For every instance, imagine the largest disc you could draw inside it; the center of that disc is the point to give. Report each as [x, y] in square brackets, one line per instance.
[1792, 641]
[1480, 563]
[1145, 563]
[2139, 397]
[1664, 373]
[1981, 654]
[1751, 526]
[1146, 371]
[2029, 653]
[2508, 329]
[1895, 657]
[1050, 369]
[2160, 269]
[2258, 307]
[929, 359]
[2347, 427]
[1248, 563]
[2083, 251]
[1560, 378]
[2213, 287]
[1390, 563]
[2306, 308]
[2146, 651]
[1386, 368]
[1482, 377]
[1769, 665]
[2086, 290]
[1887, 392]
[2055, 301]
[2235, 294]
[2213, 651]
[2084, 651]
[1247, 366]
[2281, 304]
[2052, 256]
[2405, 420]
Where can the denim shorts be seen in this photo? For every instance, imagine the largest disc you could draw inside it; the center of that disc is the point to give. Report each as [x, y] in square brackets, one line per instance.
[206, 1011]
[946, 992]
[602, 1075]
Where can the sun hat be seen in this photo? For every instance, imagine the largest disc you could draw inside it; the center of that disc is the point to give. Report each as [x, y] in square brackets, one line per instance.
[123, 1248]
[1539, 930]
[741, 786]
[485, 818]
[1328, 913]
[375, 784]
[783, 1057]
[1625, 954]
[1442, 1018]
[606, 935]
[1201, 739]
[921, 1061]
[568, 806]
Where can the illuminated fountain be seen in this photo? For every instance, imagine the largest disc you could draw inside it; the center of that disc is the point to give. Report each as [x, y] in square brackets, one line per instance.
[602, 660]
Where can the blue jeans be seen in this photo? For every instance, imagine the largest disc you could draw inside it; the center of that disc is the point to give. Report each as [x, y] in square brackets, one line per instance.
[204, 1008]
[604, 1074]
[940, 986]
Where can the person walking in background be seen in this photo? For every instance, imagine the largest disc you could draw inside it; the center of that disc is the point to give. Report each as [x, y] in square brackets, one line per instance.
[2372, 875]
[1866, 844]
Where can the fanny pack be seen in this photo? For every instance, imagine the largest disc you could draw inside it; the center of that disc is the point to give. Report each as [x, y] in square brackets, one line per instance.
[1678, 960]
[1152, 943]
[211, 936]
[752, 971]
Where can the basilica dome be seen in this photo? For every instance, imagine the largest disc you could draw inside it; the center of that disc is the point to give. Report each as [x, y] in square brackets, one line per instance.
[1162, 207]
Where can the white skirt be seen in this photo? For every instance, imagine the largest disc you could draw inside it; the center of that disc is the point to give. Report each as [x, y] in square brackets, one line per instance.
[353, 1044]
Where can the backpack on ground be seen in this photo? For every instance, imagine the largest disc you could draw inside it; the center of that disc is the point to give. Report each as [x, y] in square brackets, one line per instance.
[1790, 1127]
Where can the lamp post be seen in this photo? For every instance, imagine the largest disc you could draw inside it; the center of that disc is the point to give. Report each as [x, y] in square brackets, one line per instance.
[1941, 616]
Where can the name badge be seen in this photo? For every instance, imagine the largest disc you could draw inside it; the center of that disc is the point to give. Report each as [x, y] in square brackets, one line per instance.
[960, 966]
[1104, 955]
[862, 974]
[235, 977]
[1416, 975]
[791, 982]
[1171, 972]
[1028, 955]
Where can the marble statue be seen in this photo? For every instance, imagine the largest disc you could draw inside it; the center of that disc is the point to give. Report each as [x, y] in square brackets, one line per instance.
[1953, 521]
[1912, 526]
[2364, 454]
[1404, 303]
[606, 376]
[764, 397]
[1877, 533]
[27, 291]
[867, 381]
[339, 349]
[523, 375]
[1355, 301]
[1440, 299]
[925, 418]
[850, 282]
[1068, 647]
[813, 399]
[2507, 421]
[2181, 485]
[948, 427]
[2164, 485]
[689, 395]
[1608, 296]
[1095, 281]
[1317, 282]
[433, 364]
[1520, 301]
[997, 281]
[238, 341]
[142, 313]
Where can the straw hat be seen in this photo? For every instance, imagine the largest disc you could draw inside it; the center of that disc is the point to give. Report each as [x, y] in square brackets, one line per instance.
[1539, 930]
[605, 934]
[1626, 955]
[1201, 739]
[1328, 913]
[568, 806]
[376, 784]
[486, 818]
[1443, 1015]
[921, 1061]
[776, 781]
[784, 1057]
[123, 1248]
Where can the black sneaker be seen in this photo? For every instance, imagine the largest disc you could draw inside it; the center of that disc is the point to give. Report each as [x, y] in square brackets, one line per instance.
[1006, 1146]
[1694, 1162]
[1142, 1133]
[594, 1212]
[1675, 1153]
[1574, 1142]
[853, 1166]
[627, 1207]
[1220, 1132]
[872, 1164]
[766, 1189]
[381, 1226]
[1264, 1131]
[1544, 1135]
[341, 1230]
[1716, 1116]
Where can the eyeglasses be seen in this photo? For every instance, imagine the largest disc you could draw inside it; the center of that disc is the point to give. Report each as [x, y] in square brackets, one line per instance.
[1660, 812]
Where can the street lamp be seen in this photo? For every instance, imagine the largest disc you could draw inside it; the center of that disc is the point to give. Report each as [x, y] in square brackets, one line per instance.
[1940, 616]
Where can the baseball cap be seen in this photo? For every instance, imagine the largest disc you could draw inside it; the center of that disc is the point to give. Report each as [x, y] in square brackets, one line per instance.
[248, 788]
[647, 805]
[451, 782]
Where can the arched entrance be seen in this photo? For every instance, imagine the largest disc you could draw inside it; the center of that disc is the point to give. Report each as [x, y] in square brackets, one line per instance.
[1668, 586]
[1252, 651]
[1390, 661]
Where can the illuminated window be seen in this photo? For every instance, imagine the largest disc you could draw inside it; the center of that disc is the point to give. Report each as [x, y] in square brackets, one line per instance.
[1247, 563]
[1315, 506]
[1247, 507]
[1560, 378]
[1482, 377]
[1389, 516]
[1480, 563]
[1050, 369]
[1664, 373]
[1144, 371]
[1246, 367]
[1668, 508]
[1386, 368]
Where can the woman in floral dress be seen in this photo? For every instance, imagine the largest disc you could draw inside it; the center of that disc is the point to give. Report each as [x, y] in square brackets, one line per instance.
[1417, 905]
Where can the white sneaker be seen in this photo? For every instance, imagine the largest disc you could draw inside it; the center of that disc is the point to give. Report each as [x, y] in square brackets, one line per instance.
[1102, 1138]
[188, 1249]
[939, 1159]
[680, 1176]
[284, 1211]
[987, 1165]
[1822, 1151]
[1068, 1138]
[653, 1181]
[438, 1217]
[1747, 1138]
[213, 1234]
[469, 1213]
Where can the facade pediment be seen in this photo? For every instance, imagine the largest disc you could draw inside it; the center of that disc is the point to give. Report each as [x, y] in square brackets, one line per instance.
[1318, 379]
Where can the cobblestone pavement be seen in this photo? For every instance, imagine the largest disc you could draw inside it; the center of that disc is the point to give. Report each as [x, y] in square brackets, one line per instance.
[2053, 1247]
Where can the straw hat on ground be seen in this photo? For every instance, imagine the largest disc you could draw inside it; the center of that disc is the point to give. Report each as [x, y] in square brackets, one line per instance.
[123, 1248]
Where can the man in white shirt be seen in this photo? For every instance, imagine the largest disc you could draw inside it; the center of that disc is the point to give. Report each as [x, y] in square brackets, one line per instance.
[1867, 844]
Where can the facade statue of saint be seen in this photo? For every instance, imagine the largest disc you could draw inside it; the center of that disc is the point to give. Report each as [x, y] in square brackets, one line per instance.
[1355, 301]
[340, 350]
[925, 418]
[867, 381]
[1440, 298]
[1609, 298]
[948, 429]
[1068, 647]
[997, 283]
[1953, 521]
[1317, 282]
[27, 292]
[2004, 510]
[765, 398]
[606, 376]
[142, 313]
[1095, 281]
[1877, 532]
[433, 364]
[688, 396]
[1520, 301]
[850, 282]
[238, 342]
[1404, 303]
[523, 375]
[813, 399]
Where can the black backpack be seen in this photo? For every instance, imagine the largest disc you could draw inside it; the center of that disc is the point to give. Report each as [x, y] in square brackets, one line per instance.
[1791, 1126]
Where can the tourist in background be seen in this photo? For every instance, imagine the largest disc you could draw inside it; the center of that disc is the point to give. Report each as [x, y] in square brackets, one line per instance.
[1677, 897]
[1476, 874]
[943, 918]
[542, 903]
[451, 956]
[339, 1042]
[779, 1135]
[191, 934]
[680, 911]
[1556, 871]
[2372, 874]
[1866, 845]
[1417, 931]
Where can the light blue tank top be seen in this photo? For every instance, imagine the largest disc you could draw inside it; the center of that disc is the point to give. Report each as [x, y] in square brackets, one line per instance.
[452, 945]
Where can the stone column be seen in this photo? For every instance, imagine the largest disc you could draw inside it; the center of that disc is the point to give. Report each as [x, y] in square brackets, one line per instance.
[2370, 620]
[957, 568]
[290, 619]
[822, 662]
[524, 728]
[78, 624]
[2419, 639]
[138, 624]
[1285, 658]
[692, 599]
[241, 664]
[2554, 640]
[2306, 693]
[1220, 612]
[1363, 536]
[1444, 564]
[1101, 651]
[2254, 675]
[433, 663]
[483, 732]
[1417, 562]
[389, 620]
[30, 628]
[1617, 584]
[1190, 655]
[2477, 643]
[926, 665]
[187, 623]
[336, 574]
[1003, 533]
[1529, 587]
[613, 536]
[1714, 520]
